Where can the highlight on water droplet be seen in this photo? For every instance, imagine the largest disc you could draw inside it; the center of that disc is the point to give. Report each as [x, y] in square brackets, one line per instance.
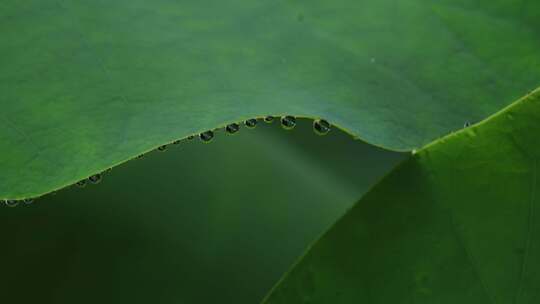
[321, 126]
[251, 123]
[81, 183]
[28, 201]
[288, 122]
[232, 128]
[269, 119]
[95, 179]
[207, 136]
[162, 148]
[11, 203]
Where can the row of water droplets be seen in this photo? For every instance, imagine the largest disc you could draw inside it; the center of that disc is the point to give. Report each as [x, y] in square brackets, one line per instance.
[288, 122]
[94, 179]
[320, 127]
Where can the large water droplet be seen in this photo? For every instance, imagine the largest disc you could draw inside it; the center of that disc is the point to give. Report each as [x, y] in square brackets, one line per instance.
[81, 184]
[207, 136]
[251, 123]
[162, 148]
[28, 201]
[321, 127]
[11, 203]
[232, 128]
[95, 179]
[269, 119]
[288, 122]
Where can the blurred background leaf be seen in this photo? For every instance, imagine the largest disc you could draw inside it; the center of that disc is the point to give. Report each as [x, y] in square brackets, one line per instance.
[199, 223]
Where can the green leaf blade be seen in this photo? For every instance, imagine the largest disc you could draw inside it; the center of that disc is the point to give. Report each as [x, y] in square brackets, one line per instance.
[88, 86]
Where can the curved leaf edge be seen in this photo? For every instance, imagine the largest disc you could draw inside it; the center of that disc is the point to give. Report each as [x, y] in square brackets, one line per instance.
[33, 196]
[194, 136]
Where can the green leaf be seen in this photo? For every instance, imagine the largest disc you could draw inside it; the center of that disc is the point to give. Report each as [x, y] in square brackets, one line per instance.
[458, 222]
[87, 85]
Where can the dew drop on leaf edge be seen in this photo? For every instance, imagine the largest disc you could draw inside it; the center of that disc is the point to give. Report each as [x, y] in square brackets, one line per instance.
[81, 183]
[95, 179]
[321, 127]
[207, 136]
[251, 123]
[232, 128]
[11, 203]
[269, 119]
[288, 122]
[162, 148]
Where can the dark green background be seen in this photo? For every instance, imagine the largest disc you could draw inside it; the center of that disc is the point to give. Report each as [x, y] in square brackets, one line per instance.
[199, 223]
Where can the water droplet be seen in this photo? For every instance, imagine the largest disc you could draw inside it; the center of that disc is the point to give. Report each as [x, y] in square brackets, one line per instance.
[176, 142]
[95, 179]
[81, 184]
[11, 203]
[288, 122]
[251, 123]
[140, 156]
[232, 128]
[207, 136]
[162, 148]
[466, 124]
[28, 201]
[191, 137]
[321, 127]
[108, 170]
[269, 119]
